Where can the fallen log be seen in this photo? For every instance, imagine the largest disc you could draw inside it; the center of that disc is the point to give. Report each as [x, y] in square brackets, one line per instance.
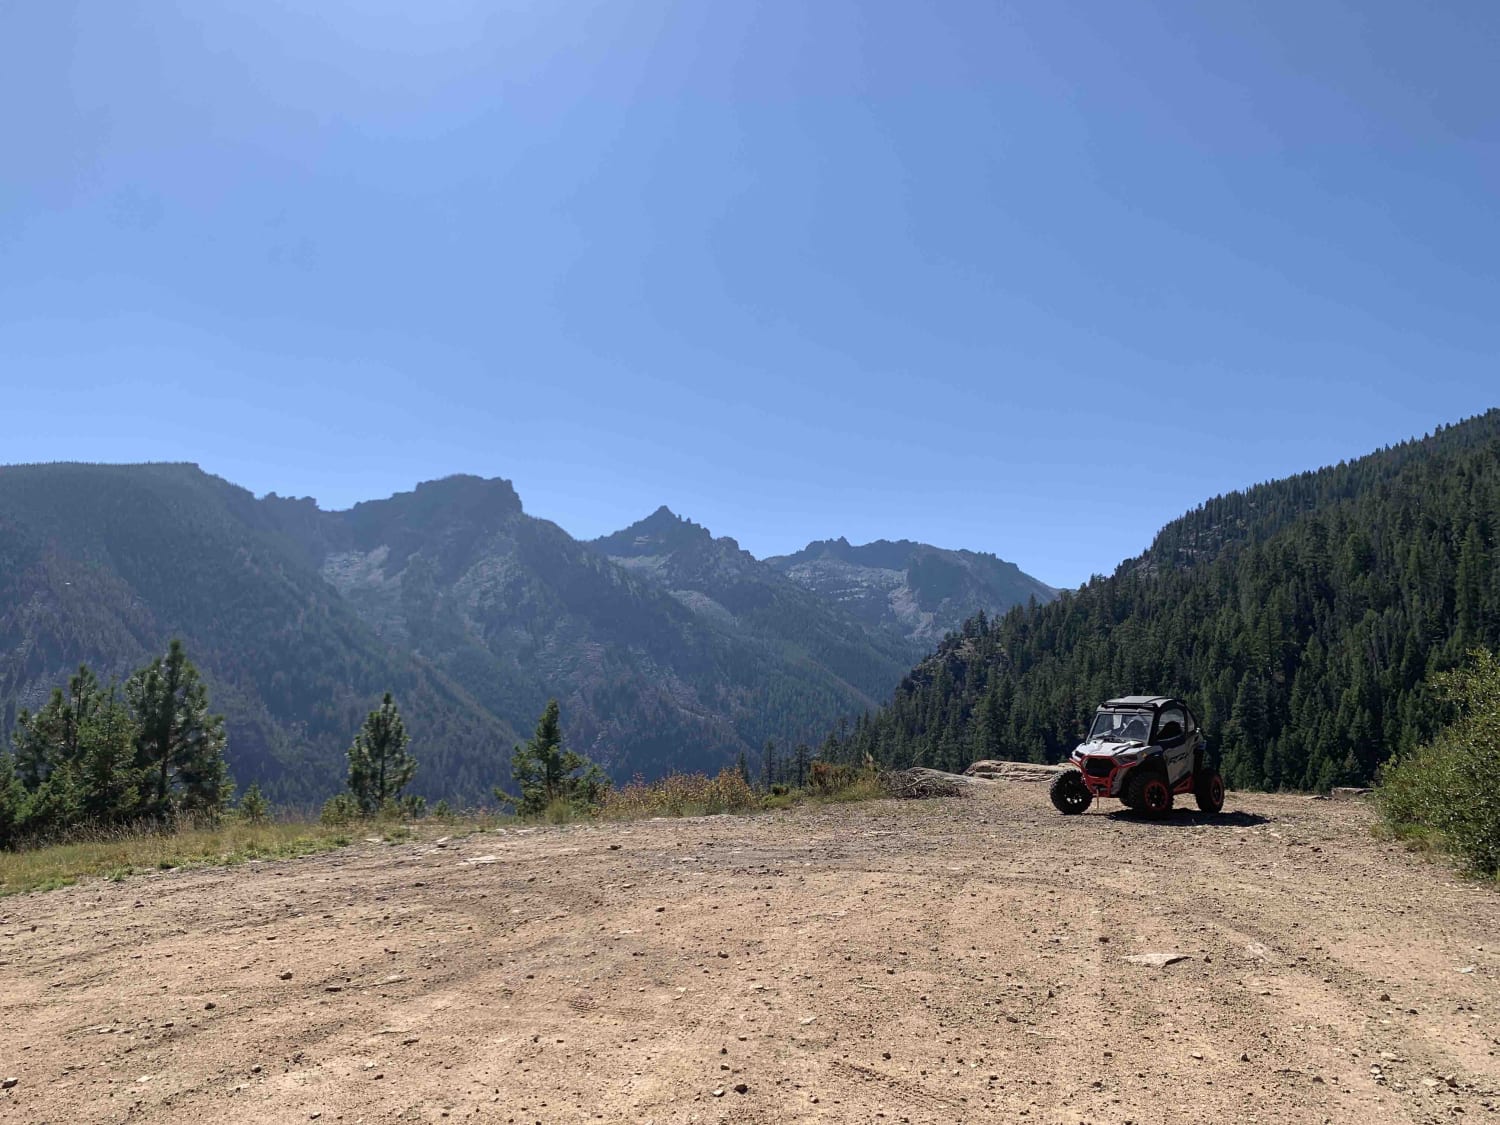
[1014, 771]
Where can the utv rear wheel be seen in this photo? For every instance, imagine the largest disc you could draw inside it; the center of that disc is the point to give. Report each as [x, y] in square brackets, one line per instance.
[1208, 790]
[1149, 793]
[1069, 794]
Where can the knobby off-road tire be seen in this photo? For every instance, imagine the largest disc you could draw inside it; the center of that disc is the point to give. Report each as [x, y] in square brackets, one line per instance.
[1208, 791]
[1149, 793]
[1069, 794]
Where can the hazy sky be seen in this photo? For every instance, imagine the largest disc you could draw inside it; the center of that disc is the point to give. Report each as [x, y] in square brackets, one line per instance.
[1029, 278]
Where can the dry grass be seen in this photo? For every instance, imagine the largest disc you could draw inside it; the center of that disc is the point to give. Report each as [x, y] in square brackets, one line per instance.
[696, 794]
[680, 794]
[118, 853]
[115, 855]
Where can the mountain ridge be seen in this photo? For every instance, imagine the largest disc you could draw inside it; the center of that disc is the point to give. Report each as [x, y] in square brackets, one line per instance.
[472, 610]
[917, 590]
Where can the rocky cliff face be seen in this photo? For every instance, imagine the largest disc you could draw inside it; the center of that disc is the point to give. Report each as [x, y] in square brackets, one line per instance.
[735, 592]
[914, 590]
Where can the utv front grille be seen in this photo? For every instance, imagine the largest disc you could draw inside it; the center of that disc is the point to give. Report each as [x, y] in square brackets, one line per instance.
[1099, 767]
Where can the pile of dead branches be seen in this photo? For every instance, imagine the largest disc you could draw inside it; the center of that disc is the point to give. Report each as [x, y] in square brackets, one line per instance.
[920, 782]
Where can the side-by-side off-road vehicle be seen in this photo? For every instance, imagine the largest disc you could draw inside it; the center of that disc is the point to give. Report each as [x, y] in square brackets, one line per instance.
[1145, 750]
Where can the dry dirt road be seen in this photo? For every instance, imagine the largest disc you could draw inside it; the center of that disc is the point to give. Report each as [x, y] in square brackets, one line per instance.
[960, 960]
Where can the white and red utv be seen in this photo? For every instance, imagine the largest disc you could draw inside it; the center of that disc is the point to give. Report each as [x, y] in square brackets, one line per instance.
[1144, 750]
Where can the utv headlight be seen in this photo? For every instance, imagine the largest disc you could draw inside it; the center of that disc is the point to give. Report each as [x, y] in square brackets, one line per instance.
[1126, 759]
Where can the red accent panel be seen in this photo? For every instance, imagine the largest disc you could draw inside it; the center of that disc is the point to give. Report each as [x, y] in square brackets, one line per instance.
[1100, 786]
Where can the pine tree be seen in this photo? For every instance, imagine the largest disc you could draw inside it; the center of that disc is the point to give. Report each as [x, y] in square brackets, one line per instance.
[53, 807]
[12, 803]
[253, 805]
[801, 760]
[42, 740]
[179, 743]
[1469, 587]
[545, 772]
[109, 781]
[84, 701]
[770, 762]
[548, 773]
[379, 766]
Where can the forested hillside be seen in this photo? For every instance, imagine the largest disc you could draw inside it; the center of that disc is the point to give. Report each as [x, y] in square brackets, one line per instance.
[1301, 618]
[105, 564]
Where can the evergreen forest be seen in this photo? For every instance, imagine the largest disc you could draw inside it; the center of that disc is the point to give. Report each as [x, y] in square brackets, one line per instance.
[1302, 619]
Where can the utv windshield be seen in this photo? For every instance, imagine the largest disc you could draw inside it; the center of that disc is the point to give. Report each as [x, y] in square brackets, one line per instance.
[1121, 726]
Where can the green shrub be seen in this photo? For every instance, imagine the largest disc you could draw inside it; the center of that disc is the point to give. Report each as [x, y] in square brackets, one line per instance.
[339, 810]
[1443, 792]
[254, 808]
[410, 807]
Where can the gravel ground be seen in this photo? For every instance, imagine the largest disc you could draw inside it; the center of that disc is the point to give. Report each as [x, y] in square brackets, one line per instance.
[957, 960]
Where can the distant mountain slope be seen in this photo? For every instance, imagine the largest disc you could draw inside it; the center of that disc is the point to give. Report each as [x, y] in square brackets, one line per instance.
[472, 611]
[1301, 617]
[105, 564]
[912, 589]
[516, 611]
[737, 593]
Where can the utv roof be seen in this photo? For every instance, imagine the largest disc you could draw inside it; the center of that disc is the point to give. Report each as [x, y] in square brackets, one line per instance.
[1138, 701]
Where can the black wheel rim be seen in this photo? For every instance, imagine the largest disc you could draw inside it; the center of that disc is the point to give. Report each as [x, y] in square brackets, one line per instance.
[1070, 795]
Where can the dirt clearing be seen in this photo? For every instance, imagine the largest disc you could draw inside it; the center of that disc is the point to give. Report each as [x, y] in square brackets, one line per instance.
[960, 960]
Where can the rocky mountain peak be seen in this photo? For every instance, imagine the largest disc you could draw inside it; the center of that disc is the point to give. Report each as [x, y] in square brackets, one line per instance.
[663, 532]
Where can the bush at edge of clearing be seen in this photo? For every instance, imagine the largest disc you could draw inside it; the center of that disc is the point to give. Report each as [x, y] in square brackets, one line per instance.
[1446, 791]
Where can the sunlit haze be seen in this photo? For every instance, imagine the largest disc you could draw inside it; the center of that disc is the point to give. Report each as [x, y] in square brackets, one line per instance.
[1031, 279]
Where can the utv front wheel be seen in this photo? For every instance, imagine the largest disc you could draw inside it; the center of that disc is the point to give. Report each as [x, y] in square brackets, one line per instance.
[1070, 795]
[1149, 793]
[1208, 790]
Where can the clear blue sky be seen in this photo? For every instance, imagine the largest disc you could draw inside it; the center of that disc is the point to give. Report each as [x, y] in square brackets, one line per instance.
[1030, 278]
